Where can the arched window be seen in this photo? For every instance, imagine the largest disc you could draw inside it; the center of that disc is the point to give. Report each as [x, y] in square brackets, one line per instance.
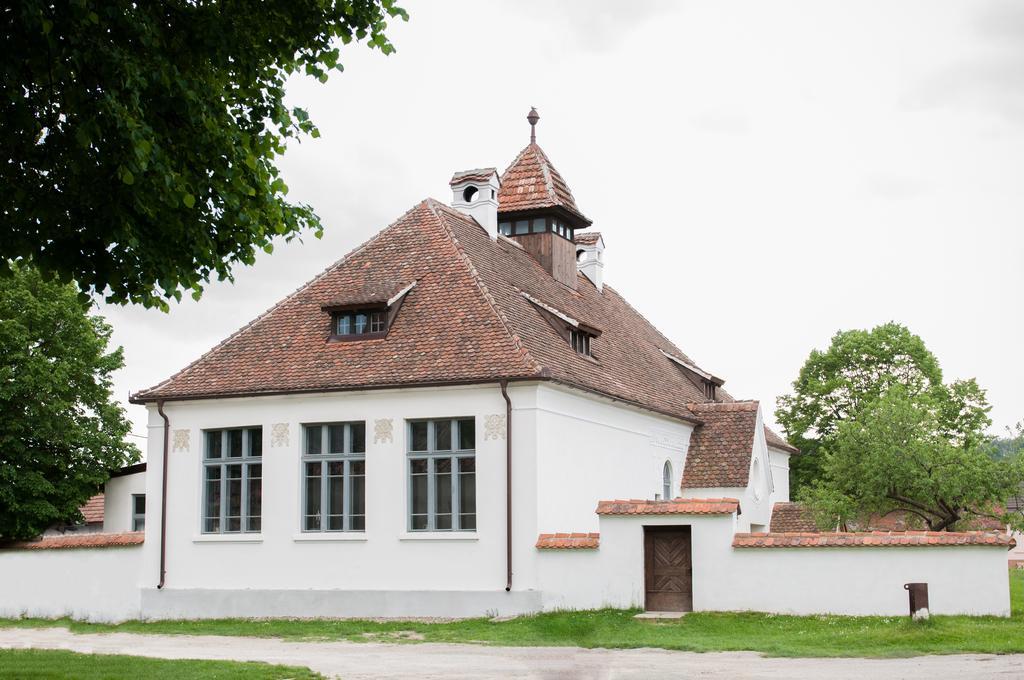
[666, 481]
[755, 478]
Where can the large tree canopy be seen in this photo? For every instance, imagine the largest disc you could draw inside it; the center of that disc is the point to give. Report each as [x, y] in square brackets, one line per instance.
[898, 454]
[859, 367]
[141, 137]
[61, 432]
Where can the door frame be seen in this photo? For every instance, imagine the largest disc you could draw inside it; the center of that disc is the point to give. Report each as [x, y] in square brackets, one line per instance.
[648, 557]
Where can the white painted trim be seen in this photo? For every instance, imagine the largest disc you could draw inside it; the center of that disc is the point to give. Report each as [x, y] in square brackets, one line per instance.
[438, 536]
[227, 538]
[398, 296]
[690, 367]
[330, 537]
[564, 317]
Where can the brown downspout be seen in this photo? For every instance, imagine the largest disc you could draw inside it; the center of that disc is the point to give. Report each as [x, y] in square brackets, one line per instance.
[508, 486]
[163, 497]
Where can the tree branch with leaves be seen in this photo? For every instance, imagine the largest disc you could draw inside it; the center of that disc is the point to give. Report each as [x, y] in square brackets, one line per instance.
[142, 138]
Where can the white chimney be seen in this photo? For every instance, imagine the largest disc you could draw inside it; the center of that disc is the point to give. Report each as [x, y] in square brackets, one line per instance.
[475, 193]
[590, 256]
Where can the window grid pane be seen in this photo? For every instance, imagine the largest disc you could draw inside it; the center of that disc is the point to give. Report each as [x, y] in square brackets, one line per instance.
[334, 471]
[232, 481]
[442, 473]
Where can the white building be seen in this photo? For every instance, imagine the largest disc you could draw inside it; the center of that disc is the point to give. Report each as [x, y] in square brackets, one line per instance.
[446, 422]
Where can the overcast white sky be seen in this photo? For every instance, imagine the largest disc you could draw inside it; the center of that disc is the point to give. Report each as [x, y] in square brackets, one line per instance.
[764, 173]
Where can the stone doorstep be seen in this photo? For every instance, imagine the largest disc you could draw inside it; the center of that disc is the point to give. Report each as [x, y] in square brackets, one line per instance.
[660, 615]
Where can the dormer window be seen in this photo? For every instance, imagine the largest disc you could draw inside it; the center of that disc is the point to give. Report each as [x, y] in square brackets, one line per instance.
[360, 322]
[368, 315]
[580, 341]
[580, 335]
[709, 390]
[707, 382]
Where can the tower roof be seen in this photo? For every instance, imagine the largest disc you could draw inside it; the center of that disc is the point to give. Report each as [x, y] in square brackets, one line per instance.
[531, 182]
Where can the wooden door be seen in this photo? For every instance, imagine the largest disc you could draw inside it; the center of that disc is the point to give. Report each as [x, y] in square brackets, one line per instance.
[668, 569]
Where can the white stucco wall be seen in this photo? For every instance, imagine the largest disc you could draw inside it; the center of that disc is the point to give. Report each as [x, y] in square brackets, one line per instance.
[780, 475]
[386, 558]
[590, 449]
[869, 581]
[117, 501]
[852, 581]
[94, 584]
[613, 574]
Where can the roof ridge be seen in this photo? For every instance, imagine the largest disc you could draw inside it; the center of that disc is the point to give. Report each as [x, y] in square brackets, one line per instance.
[337, 263]
[737, 405]
[517, 342]
[546, 171]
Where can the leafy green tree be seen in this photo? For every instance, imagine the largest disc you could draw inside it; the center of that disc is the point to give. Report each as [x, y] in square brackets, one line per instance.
[142, 137]
[896, 454]
[61, 432]
[859, 367]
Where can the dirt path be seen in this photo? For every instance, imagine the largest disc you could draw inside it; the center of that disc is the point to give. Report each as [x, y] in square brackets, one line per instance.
[354, 661]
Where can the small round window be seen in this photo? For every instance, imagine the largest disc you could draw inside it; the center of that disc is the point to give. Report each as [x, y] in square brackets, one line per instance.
[469, 194]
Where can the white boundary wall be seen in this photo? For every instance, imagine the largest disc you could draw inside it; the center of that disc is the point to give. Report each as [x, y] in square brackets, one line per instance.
[851, 581]
[92, 584]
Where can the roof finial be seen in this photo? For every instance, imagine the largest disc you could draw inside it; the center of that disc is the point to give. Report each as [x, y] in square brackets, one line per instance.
[533, 117]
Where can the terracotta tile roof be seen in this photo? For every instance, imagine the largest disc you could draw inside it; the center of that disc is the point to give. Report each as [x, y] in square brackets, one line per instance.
[871, 539]
[627, 364]
[777, 442]
[587, 238]
[475, 175]
[71, 541]
[92, 511]
[792, 517]
[531, 182]
[678, 506]
[898, 520]
[370, 292]
[447, 331]
[720, 449]
[567, 541]
[465, 321]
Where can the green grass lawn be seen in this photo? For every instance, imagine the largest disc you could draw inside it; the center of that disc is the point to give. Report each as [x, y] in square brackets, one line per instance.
[702, 632]
[36, 664]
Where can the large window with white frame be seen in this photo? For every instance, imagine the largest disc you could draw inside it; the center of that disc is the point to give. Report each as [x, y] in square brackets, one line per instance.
[233, 480]
[334, 477]
[442, 474]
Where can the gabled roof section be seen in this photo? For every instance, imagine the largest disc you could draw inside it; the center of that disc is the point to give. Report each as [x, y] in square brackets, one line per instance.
[792, 517]
[531, 182]
[465, 321]
[447, 331]
[628, 363]
[721, 448]
[776, 441]
[92, 511]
